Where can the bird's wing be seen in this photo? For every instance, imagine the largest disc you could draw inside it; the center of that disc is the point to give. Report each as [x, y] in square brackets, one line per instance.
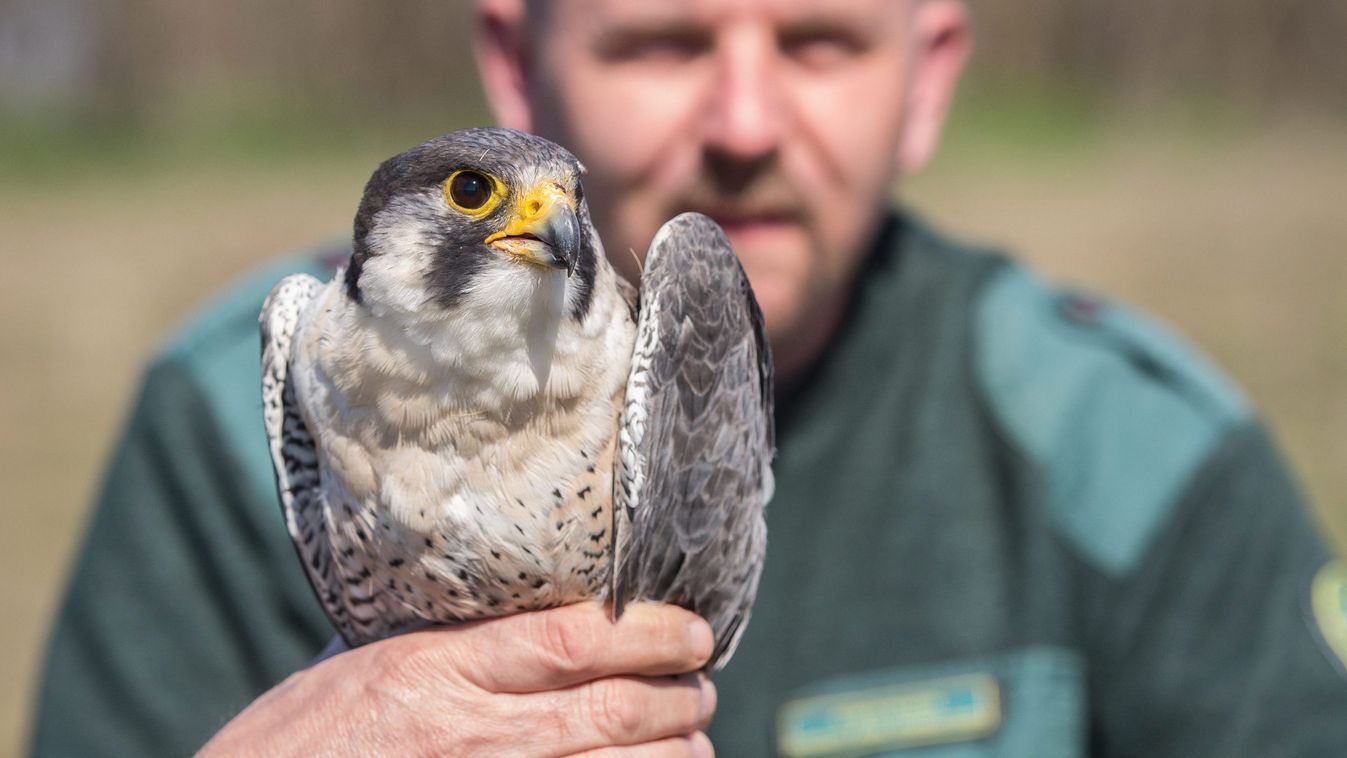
[696, 438]
[292, 448]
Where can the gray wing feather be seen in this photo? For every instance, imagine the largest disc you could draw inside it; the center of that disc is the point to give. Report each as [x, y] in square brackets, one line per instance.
[696, 438]
[292, 447]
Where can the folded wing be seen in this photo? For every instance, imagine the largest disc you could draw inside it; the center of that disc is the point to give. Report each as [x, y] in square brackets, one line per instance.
[292, 448]
[695, 446]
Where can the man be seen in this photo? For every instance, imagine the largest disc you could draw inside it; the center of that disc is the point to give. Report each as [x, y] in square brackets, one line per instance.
[1008, 521]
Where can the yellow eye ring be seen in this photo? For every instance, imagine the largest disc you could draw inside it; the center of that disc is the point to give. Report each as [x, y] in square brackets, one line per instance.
[473, 193]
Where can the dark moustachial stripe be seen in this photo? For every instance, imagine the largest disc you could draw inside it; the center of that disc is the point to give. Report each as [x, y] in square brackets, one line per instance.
[460, 254]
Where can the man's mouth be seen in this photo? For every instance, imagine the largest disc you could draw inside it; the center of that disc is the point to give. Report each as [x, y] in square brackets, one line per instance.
[745, 226]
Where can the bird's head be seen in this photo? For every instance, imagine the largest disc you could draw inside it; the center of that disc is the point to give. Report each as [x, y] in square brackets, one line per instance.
[489, 215]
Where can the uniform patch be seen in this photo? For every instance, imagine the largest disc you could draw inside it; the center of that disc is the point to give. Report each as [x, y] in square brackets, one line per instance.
[875, 720]
[1328, 599]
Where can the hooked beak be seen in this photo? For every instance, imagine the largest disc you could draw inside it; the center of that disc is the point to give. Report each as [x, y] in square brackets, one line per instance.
[544, 229]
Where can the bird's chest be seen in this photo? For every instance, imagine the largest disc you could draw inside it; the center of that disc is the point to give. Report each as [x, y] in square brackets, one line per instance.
[479, 526]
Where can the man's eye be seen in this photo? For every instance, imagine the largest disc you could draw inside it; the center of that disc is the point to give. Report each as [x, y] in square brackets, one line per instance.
[821, 48]
[663, 46]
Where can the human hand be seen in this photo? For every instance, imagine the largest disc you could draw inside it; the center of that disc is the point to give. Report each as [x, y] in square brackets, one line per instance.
[560, 682]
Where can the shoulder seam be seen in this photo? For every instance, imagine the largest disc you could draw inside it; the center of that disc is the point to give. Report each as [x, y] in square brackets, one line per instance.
[1114, 443]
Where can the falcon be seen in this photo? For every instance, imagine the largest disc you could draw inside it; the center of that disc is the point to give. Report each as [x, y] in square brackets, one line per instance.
[478, 416]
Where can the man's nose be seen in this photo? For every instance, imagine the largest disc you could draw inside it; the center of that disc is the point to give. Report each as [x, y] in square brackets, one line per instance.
[744, 114]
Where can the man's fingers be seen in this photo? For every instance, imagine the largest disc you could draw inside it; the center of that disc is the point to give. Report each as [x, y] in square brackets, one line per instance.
[622, 711]
[547, 650]
[688, 746]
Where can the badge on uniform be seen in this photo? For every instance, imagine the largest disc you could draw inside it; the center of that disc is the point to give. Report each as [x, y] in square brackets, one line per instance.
[1328, 601]
[892, 717]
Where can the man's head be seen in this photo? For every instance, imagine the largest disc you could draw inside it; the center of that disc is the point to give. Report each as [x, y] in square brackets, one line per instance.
[785, 120]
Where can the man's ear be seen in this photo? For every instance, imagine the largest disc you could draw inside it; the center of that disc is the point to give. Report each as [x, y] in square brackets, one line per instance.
[503, 60]
[941, 41]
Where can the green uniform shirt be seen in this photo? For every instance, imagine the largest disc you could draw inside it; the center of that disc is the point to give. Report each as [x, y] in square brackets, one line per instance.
[1008, 521]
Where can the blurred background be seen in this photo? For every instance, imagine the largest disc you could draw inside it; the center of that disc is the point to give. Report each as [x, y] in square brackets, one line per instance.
[1189, 157]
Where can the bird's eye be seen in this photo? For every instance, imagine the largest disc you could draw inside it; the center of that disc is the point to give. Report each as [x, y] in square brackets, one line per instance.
[471, 192]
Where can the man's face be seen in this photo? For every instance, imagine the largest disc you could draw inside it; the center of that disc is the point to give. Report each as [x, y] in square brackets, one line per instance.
[780, 119]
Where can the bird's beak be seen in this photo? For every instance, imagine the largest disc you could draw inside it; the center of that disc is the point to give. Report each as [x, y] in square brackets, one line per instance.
[544, 228]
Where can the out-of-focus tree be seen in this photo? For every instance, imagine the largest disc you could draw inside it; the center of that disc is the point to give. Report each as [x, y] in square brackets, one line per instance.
[1259, 53]
[137, 58]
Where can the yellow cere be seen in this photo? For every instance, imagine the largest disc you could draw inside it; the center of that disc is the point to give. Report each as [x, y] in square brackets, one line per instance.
[473, 193]
[534, 208]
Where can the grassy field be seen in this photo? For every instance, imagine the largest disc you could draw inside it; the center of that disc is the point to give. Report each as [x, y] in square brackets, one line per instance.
[1238, 238]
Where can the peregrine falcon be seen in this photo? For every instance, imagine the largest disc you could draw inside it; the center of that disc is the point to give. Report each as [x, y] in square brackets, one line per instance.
[479, 416]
